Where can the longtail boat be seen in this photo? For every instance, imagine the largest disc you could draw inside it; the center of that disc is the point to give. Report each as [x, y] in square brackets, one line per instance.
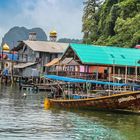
[128, 100]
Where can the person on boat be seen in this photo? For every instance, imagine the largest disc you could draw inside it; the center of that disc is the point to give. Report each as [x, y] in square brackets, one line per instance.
[59, 91]
[53, 92]
[56, 92]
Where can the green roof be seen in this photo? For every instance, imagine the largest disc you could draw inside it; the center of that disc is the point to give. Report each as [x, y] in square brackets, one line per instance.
[107, 55]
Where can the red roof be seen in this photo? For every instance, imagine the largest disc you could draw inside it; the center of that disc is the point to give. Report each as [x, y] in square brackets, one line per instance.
[137, 46]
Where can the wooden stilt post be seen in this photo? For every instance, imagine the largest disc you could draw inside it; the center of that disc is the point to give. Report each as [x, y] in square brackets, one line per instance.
[136, 71]
[118, 72]
[97, 73]
[109, 79]
[118, 77]
[113, 72]
[57, 67]
[125, 76]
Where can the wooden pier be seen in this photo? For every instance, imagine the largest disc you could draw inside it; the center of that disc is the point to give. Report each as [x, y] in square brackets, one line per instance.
[28, 83]
[39, 87]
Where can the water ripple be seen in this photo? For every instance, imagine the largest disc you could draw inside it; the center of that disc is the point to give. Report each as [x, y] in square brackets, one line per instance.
[25, 119]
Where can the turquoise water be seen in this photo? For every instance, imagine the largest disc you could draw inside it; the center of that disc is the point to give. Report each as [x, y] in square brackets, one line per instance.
[26, 119]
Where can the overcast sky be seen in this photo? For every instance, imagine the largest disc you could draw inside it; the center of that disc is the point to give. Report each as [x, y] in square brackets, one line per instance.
[64, 16]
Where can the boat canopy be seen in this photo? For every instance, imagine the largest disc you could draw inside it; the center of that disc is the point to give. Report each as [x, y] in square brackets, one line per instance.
[75, 80]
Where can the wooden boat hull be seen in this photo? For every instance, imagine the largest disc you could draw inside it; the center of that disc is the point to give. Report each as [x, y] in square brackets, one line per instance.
[129, 101]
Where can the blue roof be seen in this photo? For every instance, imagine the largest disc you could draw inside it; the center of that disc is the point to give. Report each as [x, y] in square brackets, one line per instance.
[75, 80]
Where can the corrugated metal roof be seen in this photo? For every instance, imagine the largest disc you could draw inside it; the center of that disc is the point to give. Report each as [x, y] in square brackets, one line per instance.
[92, 54]
[23, 65]
[69, 61]
[66, 61]
[44, 46]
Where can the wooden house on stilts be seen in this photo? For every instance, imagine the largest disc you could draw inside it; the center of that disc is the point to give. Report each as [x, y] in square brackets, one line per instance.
[100, 62]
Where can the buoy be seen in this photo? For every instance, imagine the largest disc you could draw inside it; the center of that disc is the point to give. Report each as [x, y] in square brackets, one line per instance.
[24, 95]
[46, 103]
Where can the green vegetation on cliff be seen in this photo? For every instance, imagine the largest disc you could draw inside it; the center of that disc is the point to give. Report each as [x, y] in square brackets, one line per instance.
[114, 22]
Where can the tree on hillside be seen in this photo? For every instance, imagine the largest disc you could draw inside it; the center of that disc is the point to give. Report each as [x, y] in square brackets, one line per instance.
[116, 22]
[90, 20]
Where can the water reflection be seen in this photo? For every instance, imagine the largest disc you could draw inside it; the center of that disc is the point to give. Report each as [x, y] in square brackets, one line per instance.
[24, 119]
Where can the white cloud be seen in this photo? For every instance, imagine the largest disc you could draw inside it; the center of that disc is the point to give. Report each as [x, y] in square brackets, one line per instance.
[62, 15]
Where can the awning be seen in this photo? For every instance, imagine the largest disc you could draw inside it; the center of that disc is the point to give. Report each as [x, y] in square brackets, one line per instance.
[23, 65]
[53, 62]
[75, 80]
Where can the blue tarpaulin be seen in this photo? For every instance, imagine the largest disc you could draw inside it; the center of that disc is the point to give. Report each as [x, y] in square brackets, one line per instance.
[13, 57]
[75, 80]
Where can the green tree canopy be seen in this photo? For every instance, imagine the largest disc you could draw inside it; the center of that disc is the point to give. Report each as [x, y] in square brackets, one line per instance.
[117, 22]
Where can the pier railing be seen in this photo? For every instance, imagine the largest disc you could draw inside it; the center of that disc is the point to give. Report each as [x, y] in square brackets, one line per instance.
[83, 75]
